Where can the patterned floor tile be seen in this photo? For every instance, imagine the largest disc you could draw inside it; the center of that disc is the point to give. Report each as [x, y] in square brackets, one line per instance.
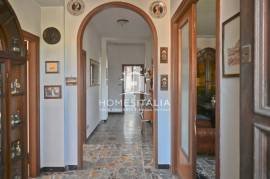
[117, 150]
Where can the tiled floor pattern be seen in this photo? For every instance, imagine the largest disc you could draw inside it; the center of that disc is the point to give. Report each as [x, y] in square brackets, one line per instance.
[117, 150]
[206, 167]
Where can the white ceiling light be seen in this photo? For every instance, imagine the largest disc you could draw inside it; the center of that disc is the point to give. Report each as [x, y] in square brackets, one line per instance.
[122, 22]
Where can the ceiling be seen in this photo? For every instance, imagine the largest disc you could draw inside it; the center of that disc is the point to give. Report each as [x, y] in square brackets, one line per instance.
[206, 18]
[106, 24]
[47, 3]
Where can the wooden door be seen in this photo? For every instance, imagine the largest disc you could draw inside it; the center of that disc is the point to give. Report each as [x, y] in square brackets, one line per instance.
[255, 90]
[186, 93]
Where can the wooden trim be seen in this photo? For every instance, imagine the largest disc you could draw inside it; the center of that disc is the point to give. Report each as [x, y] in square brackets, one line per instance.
[83, 107]
[34, 104]
[218, 76]
[181, 10]
[83, 25]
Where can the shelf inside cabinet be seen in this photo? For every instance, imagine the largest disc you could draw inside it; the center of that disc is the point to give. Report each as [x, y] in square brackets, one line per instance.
[6, 55]
[18, 94]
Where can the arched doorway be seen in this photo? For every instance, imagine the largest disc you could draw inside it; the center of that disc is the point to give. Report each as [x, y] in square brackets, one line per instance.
[81, 84]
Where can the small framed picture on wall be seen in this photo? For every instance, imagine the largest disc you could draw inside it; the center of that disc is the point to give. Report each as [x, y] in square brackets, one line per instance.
[231, 46]
[164, 82]
[52, 92]
[52, 66]
[163, 54]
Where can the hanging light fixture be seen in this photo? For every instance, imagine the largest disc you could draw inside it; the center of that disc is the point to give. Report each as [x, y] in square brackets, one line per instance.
[122, 22]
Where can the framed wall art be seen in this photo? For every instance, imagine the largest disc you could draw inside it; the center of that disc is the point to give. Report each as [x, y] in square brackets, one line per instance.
[164, 82]
[94, 73]
[158, 9]
[51, 35]
[231, 46]
[71, 81]
[52, 92]
[52, 66]
[76, 7]
[163, 54]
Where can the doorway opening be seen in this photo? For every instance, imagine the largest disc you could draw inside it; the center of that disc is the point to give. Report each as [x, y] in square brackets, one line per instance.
[110, 48]
[133, 86]
[195, 69]
[206, 88]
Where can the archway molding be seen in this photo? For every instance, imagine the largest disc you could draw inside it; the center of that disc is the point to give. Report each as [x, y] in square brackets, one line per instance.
[81, 94]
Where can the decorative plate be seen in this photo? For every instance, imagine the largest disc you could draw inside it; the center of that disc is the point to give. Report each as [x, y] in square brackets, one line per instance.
[76, 7]
[158, 9]
[51, 35]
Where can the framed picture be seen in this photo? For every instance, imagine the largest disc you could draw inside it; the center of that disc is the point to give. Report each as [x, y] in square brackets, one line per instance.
[231, 46]
[52, 92]
[71, 81]
[164, 83]
[52, 66]
[163, 54]
[158, 9]
[94, 73]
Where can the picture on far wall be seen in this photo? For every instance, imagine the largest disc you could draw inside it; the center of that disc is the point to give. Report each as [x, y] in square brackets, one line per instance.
[164, 82]
[52, 92]
[94, 73]
[163, 54]
[52, 66]
[231, 46]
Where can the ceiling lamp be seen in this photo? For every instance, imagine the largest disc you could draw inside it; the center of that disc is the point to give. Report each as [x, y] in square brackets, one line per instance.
[122, 22]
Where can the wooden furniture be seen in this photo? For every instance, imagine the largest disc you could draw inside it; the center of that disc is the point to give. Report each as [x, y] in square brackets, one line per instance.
[205, 123]
[13, 111]
[146, 116]
[205, 137]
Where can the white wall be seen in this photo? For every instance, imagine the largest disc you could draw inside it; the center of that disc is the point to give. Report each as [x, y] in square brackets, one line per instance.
[119, 54]
[92, 46]
[72, 24]
[206, 43]
[230, 104]
[52, 110]
[174, 5]
[29, 15]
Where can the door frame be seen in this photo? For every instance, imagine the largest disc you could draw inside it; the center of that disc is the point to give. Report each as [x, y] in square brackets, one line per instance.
[80, 93]
[123, 88]
[34, 103]
[181, 10]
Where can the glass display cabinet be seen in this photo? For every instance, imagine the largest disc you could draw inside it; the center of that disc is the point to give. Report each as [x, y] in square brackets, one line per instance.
[13, 101]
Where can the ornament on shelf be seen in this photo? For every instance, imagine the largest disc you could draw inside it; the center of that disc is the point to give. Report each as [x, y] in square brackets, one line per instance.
[17, 177]
[15, 45]
[15, 119]
[16, 150]
[15, 86]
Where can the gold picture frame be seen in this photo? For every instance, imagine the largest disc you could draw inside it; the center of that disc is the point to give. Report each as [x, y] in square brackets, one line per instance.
[52, 66]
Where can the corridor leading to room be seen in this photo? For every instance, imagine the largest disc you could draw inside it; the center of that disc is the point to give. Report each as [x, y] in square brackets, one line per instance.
[117, 149]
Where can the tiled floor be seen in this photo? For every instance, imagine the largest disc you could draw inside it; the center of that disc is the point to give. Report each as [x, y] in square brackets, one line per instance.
[117, 150]
[206, 167]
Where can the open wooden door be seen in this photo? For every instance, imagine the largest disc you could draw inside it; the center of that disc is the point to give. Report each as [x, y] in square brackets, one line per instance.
[184, 108]
[255, 90]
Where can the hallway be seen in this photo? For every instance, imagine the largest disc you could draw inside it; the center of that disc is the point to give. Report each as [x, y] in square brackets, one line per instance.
[117, 149]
